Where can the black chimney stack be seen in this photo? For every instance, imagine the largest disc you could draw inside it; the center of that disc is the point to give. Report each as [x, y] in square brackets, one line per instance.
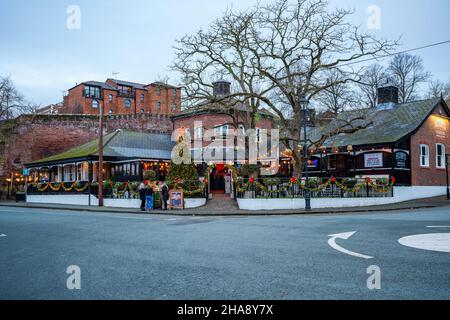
[221, 88]
[388, 94]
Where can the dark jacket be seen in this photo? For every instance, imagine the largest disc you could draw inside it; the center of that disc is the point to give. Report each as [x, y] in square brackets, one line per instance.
[148, 191]
[142, 194]
[165, 193]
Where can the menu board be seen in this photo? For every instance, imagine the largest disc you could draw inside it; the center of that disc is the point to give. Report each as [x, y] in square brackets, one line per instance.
[176, 199]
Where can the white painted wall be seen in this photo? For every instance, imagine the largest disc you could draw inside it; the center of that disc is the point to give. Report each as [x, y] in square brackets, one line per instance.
[121, 203]
[74, 199]
[401, 194]
[194, 202]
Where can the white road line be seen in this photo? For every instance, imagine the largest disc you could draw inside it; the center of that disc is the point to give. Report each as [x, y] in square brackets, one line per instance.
[9, 211]
[438, 227]
[2, 235]
[345, 236]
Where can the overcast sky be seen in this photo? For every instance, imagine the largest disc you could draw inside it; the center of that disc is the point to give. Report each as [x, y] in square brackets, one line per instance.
[135, 37]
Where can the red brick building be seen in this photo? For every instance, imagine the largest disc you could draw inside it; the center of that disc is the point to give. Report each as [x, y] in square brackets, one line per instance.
[406, 141]
[219, 118]
[123, 97]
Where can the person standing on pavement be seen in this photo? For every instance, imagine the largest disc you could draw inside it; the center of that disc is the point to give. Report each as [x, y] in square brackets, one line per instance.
[142, 196]
[165, 194]
[149, 196]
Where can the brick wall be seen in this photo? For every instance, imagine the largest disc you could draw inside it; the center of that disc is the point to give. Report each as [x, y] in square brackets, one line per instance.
[436, 129]
[36, 137]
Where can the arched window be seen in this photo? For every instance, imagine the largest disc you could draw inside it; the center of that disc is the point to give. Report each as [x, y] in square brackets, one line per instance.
[158, 105]
[127, 103]
[95, 104]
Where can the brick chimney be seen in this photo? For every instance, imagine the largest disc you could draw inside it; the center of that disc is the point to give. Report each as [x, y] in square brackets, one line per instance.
[221, 88]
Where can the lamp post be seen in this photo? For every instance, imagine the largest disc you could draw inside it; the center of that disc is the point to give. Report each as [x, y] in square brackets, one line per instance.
[447, 163]
[304, 106]
[100, 157]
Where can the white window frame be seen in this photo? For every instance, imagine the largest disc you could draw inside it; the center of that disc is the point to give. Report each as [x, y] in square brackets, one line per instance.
[199, 132]
[440, 156]
[242, 129]
[96, 103]
[221, 130]
[425, 157]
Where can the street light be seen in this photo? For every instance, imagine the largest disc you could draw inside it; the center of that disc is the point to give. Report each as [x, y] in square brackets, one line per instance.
[100, 157]
[304, 106]
[447, 163]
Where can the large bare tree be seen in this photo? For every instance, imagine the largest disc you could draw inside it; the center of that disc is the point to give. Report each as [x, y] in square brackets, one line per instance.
[438, 88]
[277, 53]
[373, 77]
[339, 97]
[407, 73]
[12, 103]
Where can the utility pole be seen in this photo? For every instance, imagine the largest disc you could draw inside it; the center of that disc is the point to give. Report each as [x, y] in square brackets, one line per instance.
[100, 157]
[304, 105]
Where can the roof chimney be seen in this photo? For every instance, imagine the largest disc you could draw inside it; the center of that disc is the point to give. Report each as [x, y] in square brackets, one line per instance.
[388, 95]
[221, 88]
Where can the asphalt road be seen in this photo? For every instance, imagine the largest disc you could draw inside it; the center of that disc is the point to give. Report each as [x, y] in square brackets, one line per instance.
[124, 256]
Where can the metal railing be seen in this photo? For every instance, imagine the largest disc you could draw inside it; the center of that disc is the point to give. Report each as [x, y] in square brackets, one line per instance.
[286, 189]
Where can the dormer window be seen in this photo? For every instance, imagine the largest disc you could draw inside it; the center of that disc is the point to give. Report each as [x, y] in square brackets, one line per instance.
[92, 92]
[125, 91]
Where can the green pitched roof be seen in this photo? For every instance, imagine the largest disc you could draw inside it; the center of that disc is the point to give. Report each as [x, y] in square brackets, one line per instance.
[383, 125]
[119, 144]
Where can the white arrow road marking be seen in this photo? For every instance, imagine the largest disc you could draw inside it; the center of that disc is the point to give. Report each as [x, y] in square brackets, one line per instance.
[345, 236]
[433, 242]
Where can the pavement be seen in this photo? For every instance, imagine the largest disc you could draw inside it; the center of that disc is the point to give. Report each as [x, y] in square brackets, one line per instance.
[129, 256]
[220, 206]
